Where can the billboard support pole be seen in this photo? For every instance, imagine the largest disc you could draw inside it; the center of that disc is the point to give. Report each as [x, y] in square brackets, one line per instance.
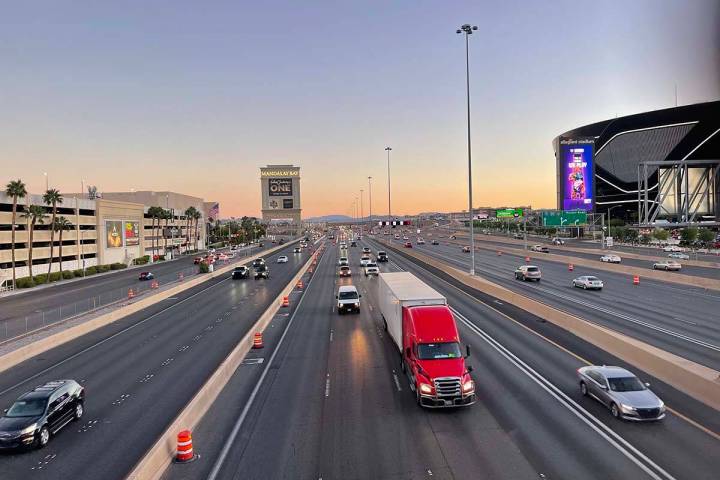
[525, 230]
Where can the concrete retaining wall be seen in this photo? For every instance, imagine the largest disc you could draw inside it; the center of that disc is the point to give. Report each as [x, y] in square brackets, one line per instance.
[698, 381]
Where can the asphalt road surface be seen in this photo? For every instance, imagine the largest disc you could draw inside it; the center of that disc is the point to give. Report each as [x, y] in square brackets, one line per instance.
[330, 402]
[679, 319]
[139, 373]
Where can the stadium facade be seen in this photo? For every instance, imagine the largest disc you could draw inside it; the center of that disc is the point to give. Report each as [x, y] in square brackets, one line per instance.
[649, 168]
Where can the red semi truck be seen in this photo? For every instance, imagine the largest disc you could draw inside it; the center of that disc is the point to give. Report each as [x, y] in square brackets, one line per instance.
[423, 328]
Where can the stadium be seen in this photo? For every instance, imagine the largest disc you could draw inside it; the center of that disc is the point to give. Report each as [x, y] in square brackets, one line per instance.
[653, 168]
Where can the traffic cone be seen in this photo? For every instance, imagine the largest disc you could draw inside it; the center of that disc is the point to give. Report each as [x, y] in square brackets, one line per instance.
[636, 280]
[300, 284]
[285, 301]
[131, 294]
[527, 259]
[154, 284]
[257, 341]
[571, 267]
[184, 452]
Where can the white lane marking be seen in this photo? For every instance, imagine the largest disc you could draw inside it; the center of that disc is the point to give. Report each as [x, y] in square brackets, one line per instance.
[331, 335]
[498, 302]
[253, 361]
[397, 382]
[327, 386]
[230, 440]
[685, 321]
[589, 419]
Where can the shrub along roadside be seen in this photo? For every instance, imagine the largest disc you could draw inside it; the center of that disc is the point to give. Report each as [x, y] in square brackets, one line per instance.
[27, 282]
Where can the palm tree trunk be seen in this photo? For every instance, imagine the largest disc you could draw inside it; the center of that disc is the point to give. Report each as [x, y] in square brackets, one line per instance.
[52, 238]
[12, 241]
[60, 253]
[167, 219]
[30, 249]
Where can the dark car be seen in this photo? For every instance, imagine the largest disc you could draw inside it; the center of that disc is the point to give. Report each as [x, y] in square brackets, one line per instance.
[281, 241]
[257, 262]
[381, 256]
[240, 272]
[146, 276]
[407, 245]
[38, 414]
[262, 271]
[353, 244]
[434, 242]
[297, 250]
[197, 260]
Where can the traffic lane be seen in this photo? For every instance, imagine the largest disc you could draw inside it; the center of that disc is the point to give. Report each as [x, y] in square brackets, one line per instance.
[692, 459]
[144, 378]
[280, 438]
[212, 432]
[28, 303]
[685, 329]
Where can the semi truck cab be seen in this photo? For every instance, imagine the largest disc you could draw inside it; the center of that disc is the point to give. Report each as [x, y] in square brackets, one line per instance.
[433, 359]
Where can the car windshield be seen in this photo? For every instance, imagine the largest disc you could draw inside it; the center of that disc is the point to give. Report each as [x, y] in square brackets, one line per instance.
[29, 407]
[592, 279]
[625, 384]
[344, 269]
[347, 295]
[533, 269]
[438, 351]
[370, 265]
[240, 269]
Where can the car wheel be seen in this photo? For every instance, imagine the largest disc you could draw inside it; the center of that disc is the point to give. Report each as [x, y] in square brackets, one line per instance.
[615, 411]
[79, 410]
[584, 287]
[43, 437]
[583, 389]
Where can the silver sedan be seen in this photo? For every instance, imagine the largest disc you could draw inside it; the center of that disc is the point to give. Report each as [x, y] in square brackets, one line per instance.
[588, 282]
[622, 392]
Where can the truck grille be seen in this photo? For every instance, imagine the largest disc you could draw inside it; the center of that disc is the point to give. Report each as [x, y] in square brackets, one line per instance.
[447, 386]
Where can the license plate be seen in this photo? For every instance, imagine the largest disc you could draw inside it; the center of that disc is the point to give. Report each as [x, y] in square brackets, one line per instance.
[448, 403]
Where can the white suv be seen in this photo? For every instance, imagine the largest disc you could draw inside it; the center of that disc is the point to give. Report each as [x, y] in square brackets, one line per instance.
[371, 269]
[348, 299]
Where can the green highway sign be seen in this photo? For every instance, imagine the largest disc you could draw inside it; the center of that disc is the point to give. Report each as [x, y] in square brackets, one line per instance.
[509, 213]
[575, 218]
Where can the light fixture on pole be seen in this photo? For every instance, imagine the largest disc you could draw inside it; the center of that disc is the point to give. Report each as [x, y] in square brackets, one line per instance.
[388, 150]
[370, 201]
[47, 185]
[361, 211]
[468, 30]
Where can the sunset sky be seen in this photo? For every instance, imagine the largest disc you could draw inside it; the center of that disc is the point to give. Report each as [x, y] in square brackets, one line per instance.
[195, 96]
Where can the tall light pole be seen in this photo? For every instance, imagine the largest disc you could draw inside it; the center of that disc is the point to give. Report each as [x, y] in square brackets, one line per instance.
[47, 185]
[370, 201]
[468, 30]
[388, 150]
[361, 211]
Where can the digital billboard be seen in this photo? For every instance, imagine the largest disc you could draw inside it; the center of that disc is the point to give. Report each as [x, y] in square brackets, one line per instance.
[509, 213]
[287, 203]
[132, 234]
[576, 160]
[113, 233]
[280, 187]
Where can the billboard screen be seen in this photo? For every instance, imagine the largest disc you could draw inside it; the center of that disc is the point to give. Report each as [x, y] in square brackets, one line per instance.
[509, 213]
[132, 234]
[577, 176]
[280, 187]
[287, 203]
[113, 233]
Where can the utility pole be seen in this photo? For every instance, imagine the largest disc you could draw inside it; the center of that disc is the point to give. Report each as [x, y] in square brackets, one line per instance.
[370, 201]
[362, 222]
[388, 150]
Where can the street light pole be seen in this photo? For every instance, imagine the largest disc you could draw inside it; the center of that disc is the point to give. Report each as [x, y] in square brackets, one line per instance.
[362, 222]
[388, 150]
[370, 201]
[468, 30]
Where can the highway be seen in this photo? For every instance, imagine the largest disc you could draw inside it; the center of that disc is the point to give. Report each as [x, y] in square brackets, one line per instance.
[650, 311]
[330, 403]
[50, 304]
[500, 242]
[139, 373]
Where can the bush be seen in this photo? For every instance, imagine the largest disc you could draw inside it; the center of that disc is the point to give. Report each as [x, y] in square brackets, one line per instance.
[78, 272]
[55, 276]
[141, 260]
[204, 268]
[24, 282]
[91, 270]
[39, 279]
[68, 274]
[117, 266]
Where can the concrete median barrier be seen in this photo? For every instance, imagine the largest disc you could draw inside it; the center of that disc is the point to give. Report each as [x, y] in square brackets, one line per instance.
[25, 352]
[158, 458]
[698, 381]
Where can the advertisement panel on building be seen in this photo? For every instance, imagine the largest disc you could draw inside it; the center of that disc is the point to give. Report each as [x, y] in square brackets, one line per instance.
[577, 173]
[113, 233]
[280, 187]
[132, 234]
[287, 203]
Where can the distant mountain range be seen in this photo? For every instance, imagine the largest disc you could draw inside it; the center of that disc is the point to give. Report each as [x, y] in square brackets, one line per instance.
[329, 218]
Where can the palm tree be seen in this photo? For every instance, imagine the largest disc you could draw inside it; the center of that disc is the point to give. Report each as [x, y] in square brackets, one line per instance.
[15, 189]
[188, 215]
[197, 216]
[52, 197]
[61, 224]
[166, 215]
[154, 213]
[33, 215]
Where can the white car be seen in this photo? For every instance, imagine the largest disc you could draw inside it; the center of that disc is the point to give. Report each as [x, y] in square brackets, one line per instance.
[405, 237]
[420, 241]
[365, 260]
[679, 256]
[348, 299]
[672, 248]
[558, 241]
[282, 259]
[343, 245]
[667, 265]
[371, 269]
[343, 261]
[588, 282]
[610, 259]
[540, 248]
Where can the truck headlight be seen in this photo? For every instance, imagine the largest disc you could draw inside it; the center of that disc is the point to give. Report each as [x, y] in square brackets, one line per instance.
[468, 386]
[357, 304]
[425, 388]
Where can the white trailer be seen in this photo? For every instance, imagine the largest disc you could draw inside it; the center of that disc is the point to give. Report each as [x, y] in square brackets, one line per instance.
[403, 289]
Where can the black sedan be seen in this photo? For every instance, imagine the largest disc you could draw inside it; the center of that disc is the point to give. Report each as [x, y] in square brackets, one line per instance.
[262, 272]
[146, 276]
[240, 272]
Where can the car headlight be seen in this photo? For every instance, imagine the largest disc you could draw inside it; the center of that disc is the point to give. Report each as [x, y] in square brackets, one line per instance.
[425, 388]
[468, 386]
[627, 408]
[662, 406]
[357, 304]
[28, 430]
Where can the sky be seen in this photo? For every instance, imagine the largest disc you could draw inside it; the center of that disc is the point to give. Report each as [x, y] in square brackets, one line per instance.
[195, 96]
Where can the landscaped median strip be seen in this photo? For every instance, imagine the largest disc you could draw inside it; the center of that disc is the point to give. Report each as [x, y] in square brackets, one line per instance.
[672, 277]
[698, 381]
[156, 460]
[30, 350]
